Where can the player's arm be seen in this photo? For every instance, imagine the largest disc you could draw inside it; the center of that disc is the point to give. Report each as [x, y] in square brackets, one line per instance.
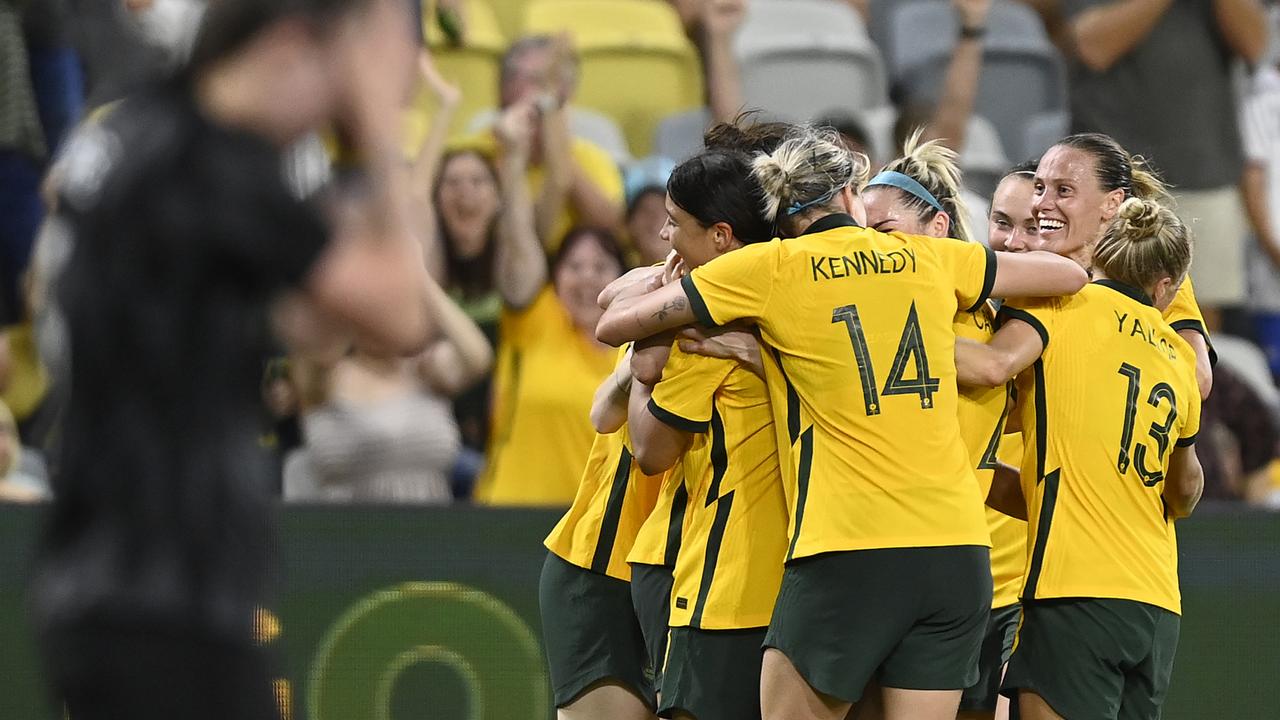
[657, 445]
[1036, 274]
[609, 407]
[1204, 366]
[650, 357]
[1006, 492]
[638, 317]
[1184, 481]
[1015, 346]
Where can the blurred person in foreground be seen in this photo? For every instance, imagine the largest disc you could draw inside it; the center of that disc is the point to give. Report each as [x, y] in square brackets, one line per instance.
[186, 235]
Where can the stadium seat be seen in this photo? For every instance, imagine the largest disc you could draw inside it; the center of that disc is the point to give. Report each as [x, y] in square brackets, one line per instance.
[803, 57]
[680, 136]
[583, 123]
[1022, 72]
[473, 67]
[510, 15]
[983, 158]
[878, 122]
[1043, 130]
[637, 64]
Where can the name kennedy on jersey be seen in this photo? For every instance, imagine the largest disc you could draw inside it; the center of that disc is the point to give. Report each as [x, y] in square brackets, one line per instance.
[829, 267]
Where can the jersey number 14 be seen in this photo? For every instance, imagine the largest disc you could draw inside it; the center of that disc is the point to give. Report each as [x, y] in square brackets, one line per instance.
[910, 351]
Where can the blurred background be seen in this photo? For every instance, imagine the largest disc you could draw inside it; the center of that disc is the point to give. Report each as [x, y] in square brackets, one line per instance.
[554, 123]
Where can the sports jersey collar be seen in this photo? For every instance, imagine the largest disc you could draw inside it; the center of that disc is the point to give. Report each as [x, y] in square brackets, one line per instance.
[831, 222]
[1128, 290]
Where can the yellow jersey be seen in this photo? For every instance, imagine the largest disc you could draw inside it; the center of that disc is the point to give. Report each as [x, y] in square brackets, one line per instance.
[860, 323]
[1184, 314]
[1008, 537]
[613, 500]
[544, 382]
[729, 566]
[1102, 409]
[982, 410]
[596, 165]
[659, 538]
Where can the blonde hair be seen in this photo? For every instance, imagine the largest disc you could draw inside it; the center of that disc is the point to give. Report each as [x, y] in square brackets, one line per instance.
[936, 167]
[1145, 242]
[1116, 169]
[806, 171]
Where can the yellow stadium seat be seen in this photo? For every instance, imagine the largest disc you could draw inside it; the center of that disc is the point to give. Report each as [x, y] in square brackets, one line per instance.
[510, 14]
[637, 65]
[473, 67]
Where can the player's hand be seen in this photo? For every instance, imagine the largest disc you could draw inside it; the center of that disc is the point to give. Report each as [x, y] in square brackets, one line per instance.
[731, 342]
[640, 281]
[722, 18]
[448, 94]
[673, 269]
[973, 13]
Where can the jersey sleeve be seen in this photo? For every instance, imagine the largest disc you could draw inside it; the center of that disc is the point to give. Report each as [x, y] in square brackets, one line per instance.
[735, 285]
[971, 267]
[1191, 429]
[685, 396]
[1184, 314]
[1039, 313]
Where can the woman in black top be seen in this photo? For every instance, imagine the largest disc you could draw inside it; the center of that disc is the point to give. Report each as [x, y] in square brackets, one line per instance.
[185, 234]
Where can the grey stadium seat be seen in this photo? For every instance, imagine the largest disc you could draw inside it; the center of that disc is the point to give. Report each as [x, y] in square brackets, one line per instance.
[791, 48]
[1043, 130]
[679, 136]
[983, 159]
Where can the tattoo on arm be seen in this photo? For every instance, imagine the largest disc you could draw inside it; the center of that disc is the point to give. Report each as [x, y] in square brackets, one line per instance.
[676, 305]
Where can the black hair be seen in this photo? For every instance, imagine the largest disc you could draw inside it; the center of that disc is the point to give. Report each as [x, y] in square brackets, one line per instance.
[748, 133]
[1026, 167]
[607, 241]
[229, 25]
[718, 186]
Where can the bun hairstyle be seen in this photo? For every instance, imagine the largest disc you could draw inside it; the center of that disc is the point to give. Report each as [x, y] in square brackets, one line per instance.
[1118, 170]
[717, 186]
[935, 168]
[1144, 243]
[806, 171]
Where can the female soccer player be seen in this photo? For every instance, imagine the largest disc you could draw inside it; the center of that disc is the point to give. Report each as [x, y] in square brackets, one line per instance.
[1079, 187]
[714, 418]
[185, 233]
[595, 646]
[919, 194]
[860, 326]
[1110, 412]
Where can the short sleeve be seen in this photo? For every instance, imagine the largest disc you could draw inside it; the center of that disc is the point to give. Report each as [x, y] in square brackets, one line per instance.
[735, 285]
[1192, 427]
[1039, 313]
[1252, 132]
[972, 267]
[685, 396]
[1184, 314]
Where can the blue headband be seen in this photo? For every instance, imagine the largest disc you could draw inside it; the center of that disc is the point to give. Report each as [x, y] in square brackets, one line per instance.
[797, 207]
[908, 184]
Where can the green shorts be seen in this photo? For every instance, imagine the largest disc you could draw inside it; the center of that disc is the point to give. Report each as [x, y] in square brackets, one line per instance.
[713, 674]
[1095, 658]
[997, 645]
[651, 597]
[912, 617]
[590, 631]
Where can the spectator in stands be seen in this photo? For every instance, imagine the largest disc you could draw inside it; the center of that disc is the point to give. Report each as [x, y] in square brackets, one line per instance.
[1260, 128]
[549, 362]
[378, 427]
[575, 182]
[646, 186]
[1133, 64]
[1239, 434]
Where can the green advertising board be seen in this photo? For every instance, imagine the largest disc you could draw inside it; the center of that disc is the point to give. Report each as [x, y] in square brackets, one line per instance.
[393, 614]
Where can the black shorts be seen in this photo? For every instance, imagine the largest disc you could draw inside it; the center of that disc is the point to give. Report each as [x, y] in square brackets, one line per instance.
[713, 674]
[590, 631]
[912, 617]
[109, 672]
[997, 645]
[651, 597]
[1095, 658]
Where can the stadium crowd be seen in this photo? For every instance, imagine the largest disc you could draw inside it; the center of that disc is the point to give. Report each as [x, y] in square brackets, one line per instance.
[538, 151]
